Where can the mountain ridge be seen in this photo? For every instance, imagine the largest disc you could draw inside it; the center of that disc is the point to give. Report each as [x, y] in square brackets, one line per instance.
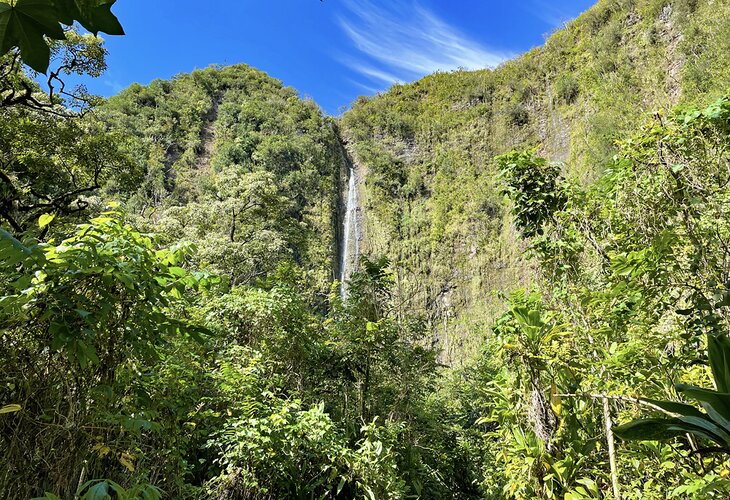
[424, 150]
[429, 145]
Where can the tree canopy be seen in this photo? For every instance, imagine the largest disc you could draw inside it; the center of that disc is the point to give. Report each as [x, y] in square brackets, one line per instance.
[540, 308]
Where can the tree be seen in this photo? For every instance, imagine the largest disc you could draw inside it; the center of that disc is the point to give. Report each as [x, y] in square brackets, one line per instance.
[534, 186]
[55, 165]
[25, 25]
[52, 160]
[80, 321]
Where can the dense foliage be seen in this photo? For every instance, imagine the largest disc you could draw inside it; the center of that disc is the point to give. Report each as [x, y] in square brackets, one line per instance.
[189, 341]
[541, 311]
[238, 163]
[631, 283]
[431, 194]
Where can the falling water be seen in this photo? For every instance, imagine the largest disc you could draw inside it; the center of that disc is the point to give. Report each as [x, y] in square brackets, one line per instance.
[351, 235]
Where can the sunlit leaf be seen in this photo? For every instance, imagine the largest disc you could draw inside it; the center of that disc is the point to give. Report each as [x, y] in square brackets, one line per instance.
[10, 409]
[45, 219]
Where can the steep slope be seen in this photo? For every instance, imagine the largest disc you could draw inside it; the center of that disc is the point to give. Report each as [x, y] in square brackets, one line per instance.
[239, 164]
[431, 192]
[127, 364]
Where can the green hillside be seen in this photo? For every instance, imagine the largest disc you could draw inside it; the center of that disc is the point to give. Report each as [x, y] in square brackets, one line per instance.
[539, 307]
[239, 164]
[431, 193]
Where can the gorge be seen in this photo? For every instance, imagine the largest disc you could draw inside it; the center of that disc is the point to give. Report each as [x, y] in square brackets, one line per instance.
[473, 285]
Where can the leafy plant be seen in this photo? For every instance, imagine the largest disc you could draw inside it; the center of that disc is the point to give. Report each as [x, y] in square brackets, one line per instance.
[712, 424]
[534, 186]
[96, 308]
[25, 23]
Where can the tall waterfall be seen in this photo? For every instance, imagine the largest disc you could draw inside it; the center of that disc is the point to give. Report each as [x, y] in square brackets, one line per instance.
[350, 234]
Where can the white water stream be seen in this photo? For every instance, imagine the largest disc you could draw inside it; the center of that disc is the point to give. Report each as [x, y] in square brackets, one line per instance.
[351, 235]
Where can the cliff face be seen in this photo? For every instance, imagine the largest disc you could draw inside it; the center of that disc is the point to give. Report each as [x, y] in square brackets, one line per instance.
[240, 165]
[237, 162]
[430, 193]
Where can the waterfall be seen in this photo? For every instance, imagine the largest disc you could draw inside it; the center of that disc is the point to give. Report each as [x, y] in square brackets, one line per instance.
[350, 234]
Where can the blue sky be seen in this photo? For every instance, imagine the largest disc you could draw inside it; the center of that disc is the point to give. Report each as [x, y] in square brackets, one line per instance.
[330, 50]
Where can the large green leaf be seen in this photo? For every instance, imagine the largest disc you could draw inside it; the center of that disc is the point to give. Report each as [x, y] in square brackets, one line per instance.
[94, 15]
[651, 429]
[663, 429]
[99, 491]
[720, 401]
[717, 417]
[5, 16]
[697, 432]
[716, 432]
[718, 350]
[12, 251]
[675, 408]
[26, 24]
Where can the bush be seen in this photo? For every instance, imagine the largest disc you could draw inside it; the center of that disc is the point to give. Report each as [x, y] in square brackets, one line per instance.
[293, 452]
[517, 115]
[567, 88]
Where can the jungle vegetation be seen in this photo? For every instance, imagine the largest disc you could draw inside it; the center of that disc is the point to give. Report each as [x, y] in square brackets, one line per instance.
[541, 309]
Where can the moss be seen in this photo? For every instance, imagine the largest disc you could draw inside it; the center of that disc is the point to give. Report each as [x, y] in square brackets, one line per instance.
[591, 83]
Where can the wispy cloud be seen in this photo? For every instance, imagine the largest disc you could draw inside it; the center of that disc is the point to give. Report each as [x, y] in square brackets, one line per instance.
[370, 89]
[374, 73]
[114, 85]
[551, 13]
[404, 41]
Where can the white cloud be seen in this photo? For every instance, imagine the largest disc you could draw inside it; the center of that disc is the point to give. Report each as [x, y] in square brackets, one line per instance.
[370, 89]
[114, 85]
[374, 73]
[551, 13]
[405, 41]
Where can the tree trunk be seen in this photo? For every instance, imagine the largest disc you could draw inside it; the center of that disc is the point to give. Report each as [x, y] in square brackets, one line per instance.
[611, 449]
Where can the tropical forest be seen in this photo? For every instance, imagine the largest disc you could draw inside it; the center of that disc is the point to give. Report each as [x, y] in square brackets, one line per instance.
[506, 282]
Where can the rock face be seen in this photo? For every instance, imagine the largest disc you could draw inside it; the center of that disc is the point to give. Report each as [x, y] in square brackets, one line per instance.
[430, 196]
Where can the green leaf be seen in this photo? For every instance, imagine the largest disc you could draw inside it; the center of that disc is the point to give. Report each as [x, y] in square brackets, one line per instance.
[590, 485]
[5, 16]
[719, 401]
[655, 429]
[177, 271]
[83, 313]
[86, 354]
[341, 484]
[100, 491]
[40, 13]
[33, 49]
[717, 417]
[12, 251]
[45, 219]
[718, 351]
[24, 25]
[711, 428]
[675, 408]
[650, 429]
[10, 409]
[94, 15]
